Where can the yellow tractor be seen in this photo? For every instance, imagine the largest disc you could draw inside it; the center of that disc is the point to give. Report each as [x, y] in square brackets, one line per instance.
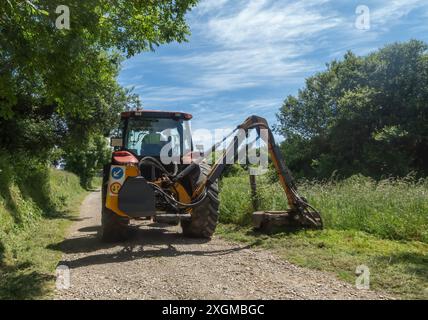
[139, 184]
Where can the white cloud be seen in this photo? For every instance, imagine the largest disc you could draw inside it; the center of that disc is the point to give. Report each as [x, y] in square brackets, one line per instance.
[240, 46]
[267, 22]
[206, 6]
[265, 39]
[253, 43]
[153, 95]
[389, 12]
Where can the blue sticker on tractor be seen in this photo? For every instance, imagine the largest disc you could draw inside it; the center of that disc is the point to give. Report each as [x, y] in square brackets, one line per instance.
[117, 173]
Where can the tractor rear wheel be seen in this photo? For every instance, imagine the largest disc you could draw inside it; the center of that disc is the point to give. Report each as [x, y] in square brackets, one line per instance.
[113, 227]
[204, 218]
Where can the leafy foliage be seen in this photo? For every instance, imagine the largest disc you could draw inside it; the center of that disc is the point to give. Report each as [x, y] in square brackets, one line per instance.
[58, 87]
[37, 205]
[362, 115]
[86, 158]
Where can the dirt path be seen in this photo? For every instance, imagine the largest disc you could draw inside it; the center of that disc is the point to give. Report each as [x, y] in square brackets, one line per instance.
[159, 263]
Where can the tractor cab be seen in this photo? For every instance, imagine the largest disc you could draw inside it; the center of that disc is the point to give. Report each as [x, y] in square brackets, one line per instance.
[163, 136]
[147, 133]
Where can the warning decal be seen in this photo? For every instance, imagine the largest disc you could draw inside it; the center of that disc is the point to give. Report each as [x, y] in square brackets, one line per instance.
[117, 173]
[115, 187]
[117, 179]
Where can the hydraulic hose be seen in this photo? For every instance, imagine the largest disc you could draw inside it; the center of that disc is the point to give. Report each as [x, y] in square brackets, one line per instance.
[176, 202]
[156, 163]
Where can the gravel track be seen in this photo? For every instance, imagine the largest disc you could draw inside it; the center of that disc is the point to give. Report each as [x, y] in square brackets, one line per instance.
[159, 263]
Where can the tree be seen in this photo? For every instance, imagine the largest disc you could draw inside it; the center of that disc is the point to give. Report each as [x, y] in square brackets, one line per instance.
[87, 158]
[58, 86]
[362, 115]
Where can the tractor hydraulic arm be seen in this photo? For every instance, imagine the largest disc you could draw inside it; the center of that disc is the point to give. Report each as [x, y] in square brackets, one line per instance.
[298, 205]
[256, 122]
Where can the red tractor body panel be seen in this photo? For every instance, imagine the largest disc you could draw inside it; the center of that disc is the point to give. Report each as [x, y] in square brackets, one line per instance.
[157, 114]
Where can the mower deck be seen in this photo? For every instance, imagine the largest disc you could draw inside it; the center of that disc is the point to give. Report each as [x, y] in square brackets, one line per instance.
[277, 221]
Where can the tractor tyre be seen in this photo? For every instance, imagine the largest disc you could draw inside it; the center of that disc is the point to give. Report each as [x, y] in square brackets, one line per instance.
[204, 218]
[113, 227]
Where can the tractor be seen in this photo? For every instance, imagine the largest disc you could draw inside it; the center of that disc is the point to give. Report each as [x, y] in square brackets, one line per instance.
[139, 184]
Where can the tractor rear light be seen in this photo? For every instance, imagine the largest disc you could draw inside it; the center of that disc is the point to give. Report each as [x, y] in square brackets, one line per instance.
[124, 157]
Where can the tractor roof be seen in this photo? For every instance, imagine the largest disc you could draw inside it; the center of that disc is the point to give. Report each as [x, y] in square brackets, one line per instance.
[157, 114]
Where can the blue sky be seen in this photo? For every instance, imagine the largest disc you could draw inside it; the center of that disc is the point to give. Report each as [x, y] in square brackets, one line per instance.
[245, 56]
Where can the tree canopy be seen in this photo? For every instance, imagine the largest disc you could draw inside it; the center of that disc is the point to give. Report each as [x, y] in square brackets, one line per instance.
[58, 86]
[364, 115]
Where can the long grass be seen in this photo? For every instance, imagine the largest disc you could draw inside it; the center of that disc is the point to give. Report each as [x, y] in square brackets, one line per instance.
[36, 207]
[382, 225]
[394, 209]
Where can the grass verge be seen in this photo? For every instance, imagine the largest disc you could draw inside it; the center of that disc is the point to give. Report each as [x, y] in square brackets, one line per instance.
[380, 224]
[399, 268]
[29, 225]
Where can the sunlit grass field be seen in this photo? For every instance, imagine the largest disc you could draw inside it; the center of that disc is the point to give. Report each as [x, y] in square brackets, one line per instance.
[391, 209]
[381, 224]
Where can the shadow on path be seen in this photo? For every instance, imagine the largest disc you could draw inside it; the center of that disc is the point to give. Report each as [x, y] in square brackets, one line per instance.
[133, 249]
